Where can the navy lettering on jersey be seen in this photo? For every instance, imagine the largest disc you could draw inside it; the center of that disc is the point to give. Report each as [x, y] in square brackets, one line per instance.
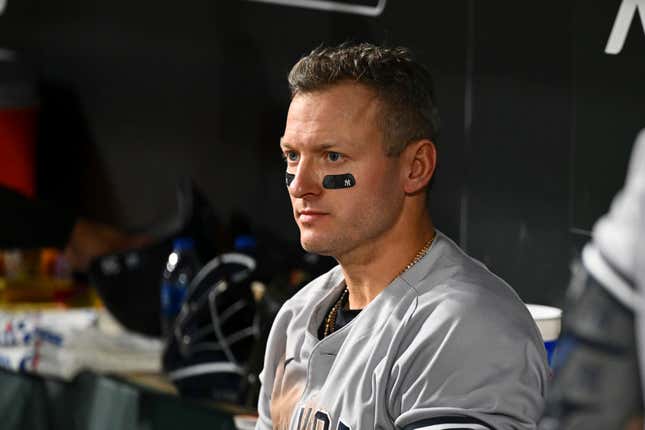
[321, 420]
[342, 426]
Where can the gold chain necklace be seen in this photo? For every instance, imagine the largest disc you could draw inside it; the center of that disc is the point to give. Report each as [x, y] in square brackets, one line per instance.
[417, 257]
[330, 321]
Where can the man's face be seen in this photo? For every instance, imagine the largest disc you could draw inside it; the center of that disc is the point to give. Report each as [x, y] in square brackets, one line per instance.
[334, 132]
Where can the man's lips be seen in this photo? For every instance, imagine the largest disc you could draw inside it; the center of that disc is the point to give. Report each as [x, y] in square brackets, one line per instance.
[310, 215]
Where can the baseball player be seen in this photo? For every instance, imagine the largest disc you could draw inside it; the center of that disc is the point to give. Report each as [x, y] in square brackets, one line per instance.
[407, 332]
[598, 370]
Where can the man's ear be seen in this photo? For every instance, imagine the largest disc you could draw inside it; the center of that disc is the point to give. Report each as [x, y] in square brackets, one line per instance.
[420, 160]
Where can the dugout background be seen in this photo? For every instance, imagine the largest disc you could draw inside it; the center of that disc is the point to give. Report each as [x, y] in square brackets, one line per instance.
[538, 122]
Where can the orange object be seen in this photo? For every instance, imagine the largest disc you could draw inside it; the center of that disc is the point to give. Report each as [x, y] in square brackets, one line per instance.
[17, 149]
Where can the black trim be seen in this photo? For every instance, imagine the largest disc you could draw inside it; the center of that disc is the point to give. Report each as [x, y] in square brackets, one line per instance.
[448, 420]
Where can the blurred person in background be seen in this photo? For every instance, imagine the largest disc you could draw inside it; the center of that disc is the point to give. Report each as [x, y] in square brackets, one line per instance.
[600, 359]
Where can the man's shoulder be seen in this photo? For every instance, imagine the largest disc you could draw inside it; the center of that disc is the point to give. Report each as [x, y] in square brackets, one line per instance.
[461, 288]
[465, 314]
[458, 273]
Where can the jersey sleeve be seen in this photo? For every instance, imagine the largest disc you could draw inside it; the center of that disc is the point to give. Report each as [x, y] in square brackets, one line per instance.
[273, 366]
[267, 376]
[469, 364]
[264, 415]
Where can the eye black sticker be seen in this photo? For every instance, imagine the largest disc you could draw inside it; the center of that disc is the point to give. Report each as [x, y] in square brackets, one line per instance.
[331, 182]
[289, 178]
[339, 181]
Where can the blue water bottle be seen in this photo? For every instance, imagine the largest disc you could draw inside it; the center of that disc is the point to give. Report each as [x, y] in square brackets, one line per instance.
[180, 269]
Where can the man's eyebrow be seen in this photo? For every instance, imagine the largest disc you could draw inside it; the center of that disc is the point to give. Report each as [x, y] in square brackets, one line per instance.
[322, 147]
[328, 145]
[284, 145]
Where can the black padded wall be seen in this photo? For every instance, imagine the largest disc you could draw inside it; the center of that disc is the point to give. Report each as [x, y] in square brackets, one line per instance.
[537, 120]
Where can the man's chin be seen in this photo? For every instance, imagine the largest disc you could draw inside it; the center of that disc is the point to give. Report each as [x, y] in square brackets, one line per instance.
[315, 247]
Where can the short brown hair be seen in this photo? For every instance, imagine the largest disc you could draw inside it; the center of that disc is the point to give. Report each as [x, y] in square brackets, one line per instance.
[402, 84]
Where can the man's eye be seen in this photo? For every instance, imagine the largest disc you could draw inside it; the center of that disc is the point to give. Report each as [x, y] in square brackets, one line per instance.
[291, 156]
[334, 156]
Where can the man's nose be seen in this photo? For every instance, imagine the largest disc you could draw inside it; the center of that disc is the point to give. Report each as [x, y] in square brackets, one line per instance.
[306, 182]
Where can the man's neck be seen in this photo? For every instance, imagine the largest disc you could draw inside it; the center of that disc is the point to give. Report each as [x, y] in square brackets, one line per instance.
[370, 270]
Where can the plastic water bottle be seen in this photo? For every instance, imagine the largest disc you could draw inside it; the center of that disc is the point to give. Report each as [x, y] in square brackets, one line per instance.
[180, 269]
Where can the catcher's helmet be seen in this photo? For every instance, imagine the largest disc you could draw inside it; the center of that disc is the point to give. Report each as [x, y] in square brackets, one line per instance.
[217, 338]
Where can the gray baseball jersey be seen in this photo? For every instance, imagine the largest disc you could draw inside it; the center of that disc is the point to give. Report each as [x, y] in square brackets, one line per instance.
[447, 345]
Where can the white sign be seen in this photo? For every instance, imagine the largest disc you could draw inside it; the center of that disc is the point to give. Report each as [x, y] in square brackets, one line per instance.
[622, 23]
[332, 6]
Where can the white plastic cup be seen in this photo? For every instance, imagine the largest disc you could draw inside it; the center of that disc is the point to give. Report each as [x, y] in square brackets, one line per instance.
[549, 322]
